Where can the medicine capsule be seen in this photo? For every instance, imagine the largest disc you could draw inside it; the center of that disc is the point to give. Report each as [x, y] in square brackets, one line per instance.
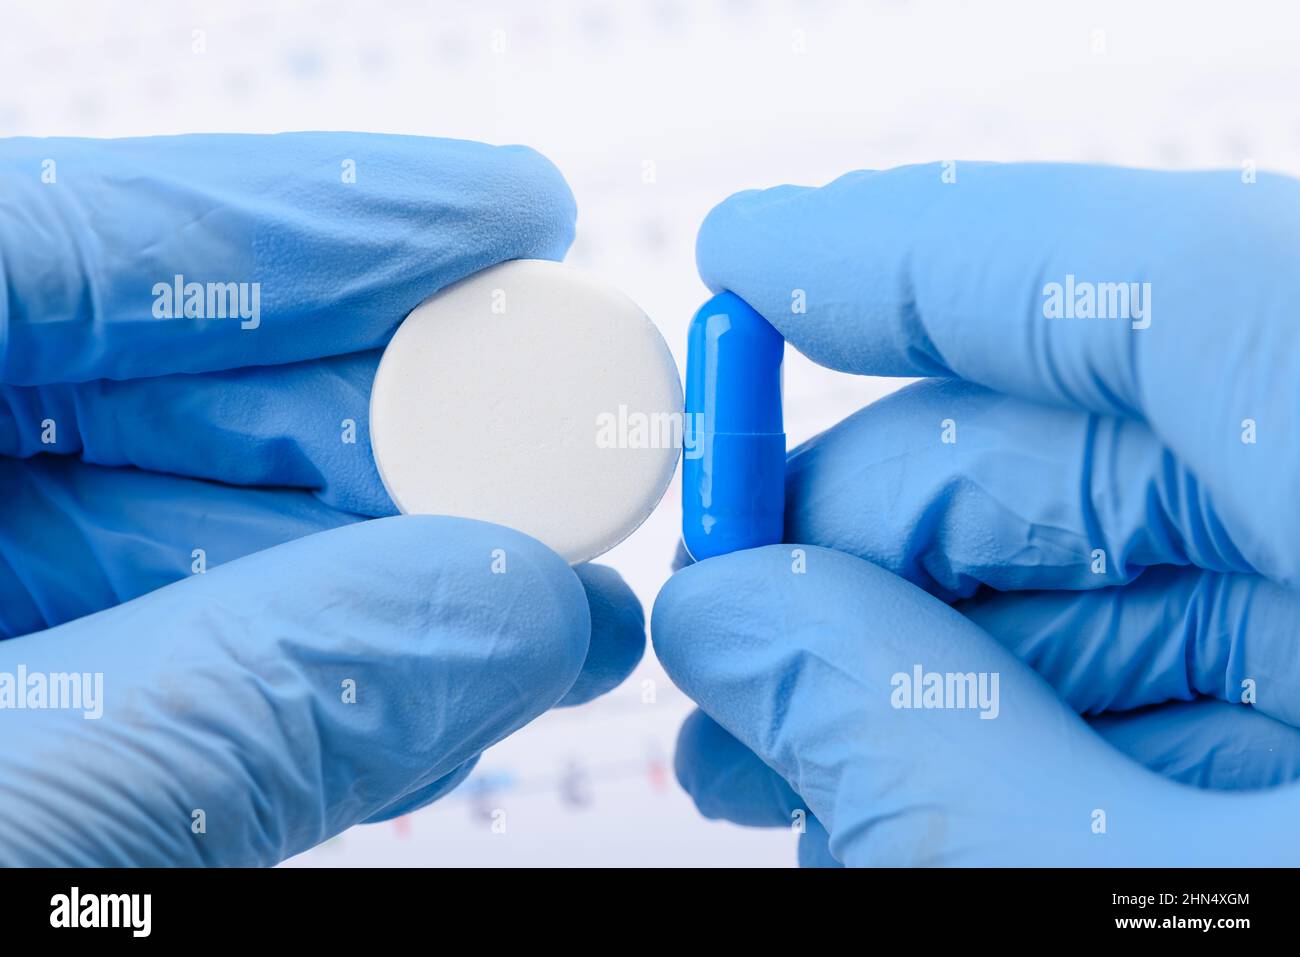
[733, 471]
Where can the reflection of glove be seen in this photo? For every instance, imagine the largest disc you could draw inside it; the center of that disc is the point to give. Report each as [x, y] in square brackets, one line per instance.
[1147, 458]
[230, 693]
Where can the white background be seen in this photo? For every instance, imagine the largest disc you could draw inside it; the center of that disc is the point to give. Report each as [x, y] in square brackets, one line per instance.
[719, 95]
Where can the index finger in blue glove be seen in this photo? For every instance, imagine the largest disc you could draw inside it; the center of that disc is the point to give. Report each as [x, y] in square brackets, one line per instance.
[953, 486]
[809, 668]
[1173, 634]
[338, 235]
[304, 425]
[76, 539]
[286, 696]
[1206, 743]
[908, 272]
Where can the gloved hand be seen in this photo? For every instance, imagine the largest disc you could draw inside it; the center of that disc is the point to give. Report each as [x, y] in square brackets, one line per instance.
[302, 670]
[1103, 503]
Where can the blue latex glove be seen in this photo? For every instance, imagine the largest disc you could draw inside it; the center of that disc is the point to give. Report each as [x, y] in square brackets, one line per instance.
[183, 446]
[1098, 517]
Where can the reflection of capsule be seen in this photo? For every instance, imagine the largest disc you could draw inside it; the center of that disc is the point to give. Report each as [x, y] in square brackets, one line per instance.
[733, 470]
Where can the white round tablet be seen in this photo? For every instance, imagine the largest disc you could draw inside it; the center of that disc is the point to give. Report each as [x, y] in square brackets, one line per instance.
[533, 396]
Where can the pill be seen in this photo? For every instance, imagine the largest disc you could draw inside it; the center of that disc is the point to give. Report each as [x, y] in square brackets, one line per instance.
[530, 395]
[733, 467]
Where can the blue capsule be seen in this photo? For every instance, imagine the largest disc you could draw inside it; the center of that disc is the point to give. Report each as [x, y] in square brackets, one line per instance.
[733, 469]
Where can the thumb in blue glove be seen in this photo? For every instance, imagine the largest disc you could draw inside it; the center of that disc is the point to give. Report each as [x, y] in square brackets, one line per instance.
[804, 670]
[254, 711]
